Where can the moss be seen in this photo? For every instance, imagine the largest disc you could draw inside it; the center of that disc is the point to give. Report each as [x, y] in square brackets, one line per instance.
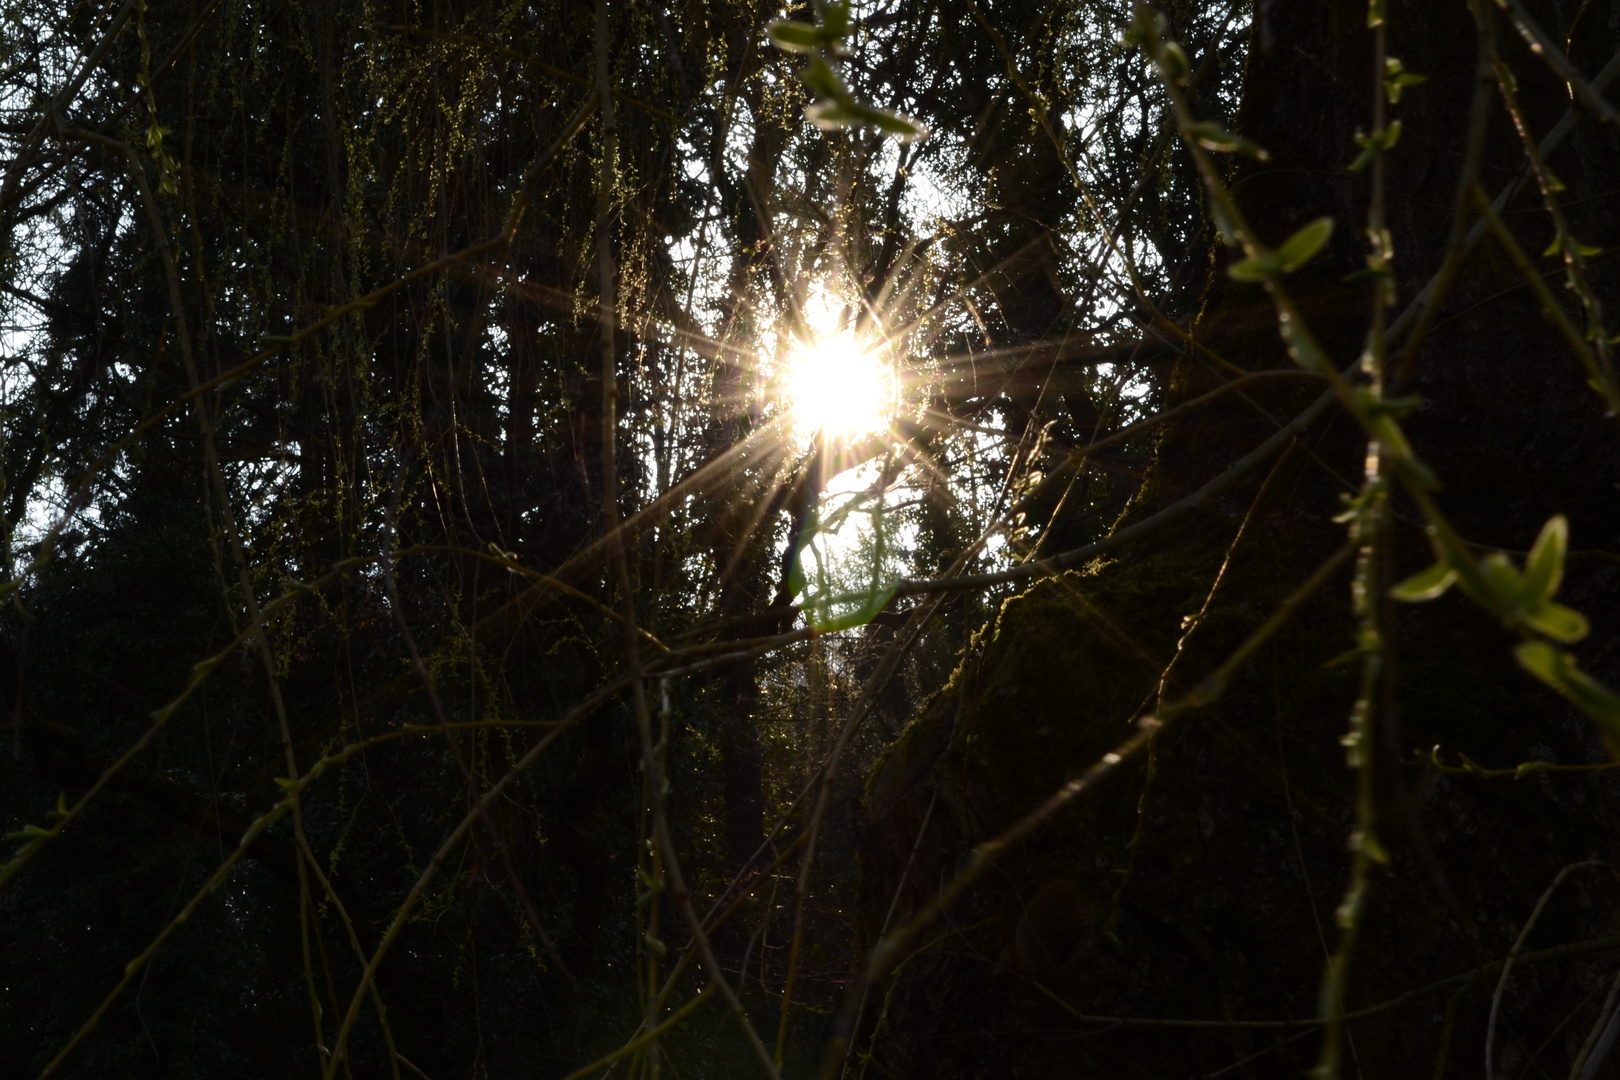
[1062, 676]
[1059, 676]
[1234, 868]
[1051, 685]
[920, 742]
[909, 760]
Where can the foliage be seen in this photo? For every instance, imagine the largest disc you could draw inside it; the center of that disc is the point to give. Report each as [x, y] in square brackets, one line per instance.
[435, 645]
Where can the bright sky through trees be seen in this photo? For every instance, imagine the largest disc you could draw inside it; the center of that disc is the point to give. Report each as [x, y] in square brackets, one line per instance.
[840, 387]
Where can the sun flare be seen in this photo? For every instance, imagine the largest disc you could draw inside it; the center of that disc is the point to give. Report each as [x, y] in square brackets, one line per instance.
[837, 387]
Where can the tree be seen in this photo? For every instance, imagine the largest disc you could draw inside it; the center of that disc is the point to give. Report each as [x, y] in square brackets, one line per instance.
[1205, 879]
[401, 405]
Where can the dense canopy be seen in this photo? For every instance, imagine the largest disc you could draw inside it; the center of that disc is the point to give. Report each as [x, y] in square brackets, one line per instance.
[875, 538]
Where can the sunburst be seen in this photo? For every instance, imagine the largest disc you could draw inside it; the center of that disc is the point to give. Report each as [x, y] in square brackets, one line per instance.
[839, 386]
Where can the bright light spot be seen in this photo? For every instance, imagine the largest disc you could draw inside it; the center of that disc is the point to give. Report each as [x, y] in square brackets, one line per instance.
[838, 387]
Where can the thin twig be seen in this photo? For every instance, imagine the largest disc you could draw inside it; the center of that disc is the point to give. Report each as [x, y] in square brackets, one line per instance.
[1513, 955]
[1546, 48]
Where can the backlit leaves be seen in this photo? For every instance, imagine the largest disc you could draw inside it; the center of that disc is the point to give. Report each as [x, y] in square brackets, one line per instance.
[1426, 584]
[836, 106]
[1524, 600]
[1397, 78]
[1295, 252]
[845, 569]
[1375, 144]
[1211, 136]
[1557, 668]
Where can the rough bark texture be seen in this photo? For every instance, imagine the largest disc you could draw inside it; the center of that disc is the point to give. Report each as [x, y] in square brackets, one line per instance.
[1228, 908]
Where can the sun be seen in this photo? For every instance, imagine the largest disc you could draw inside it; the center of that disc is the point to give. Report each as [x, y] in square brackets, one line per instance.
[839, 387]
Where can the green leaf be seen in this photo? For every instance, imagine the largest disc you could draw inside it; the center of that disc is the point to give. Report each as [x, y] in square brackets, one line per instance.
[1427, 584]
[891, 123]
[1146, 25]
[831, 115]
[831, 614]
[1529, 768]
[1597, 700]
[1397, 78]
[846, 567]
[1258, 268]
[1401, 82]
[1393, 406]
[820, 77]
[1372, 145]
[1543, 661]
[1373, 848]
[1557, 621]
[802, 37]
[1212, 136]
[1230, 233]
[1302, 247]
[204, 668]
[794, 36]
[1173, 63]
[835, 22]
[1557, 669]
[1506, 584]
[1544, 569]
[1470, 587]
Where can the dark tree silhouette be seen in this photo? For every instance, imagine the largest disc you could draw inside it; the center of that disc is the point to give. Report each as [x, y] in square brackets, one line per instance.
[438, 641]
